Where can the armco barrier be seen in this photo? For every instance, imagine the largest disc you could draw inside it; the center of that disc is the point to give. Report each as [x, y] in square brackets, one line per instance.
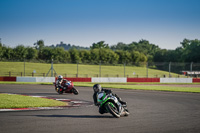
[26, 79]
[79, 79]
[114, 80]
[176, 80]
[107, 79]
[7, 78]
[143, 79]
[35, 79]
[195, 80]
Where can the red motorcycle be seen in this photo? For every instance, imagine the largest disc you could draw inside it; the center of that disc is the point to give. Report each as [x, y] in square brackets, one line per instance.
[68, 87]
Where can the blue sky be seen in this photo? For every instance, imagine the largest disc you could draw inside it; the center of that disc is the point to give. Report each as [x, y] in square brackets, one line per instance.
[82, 22]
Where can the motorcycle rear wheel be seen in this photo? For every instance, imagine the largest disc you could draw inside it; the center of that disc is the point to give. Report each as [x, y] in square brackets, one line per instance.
[60, 92]
[113, 110]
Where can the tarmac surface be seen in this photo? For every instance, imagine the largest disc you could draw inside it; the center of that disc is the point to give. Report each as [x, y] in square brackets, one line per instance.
[150, 112]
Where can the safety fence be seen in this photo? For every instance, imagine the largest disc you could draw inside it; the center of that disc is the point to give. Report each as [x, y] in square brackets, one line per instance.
[103, 79]
[86, 70]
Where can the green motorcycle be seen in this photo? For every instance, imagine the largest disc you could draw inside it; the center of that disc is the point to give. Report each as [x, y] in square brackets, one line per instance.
[110, 104]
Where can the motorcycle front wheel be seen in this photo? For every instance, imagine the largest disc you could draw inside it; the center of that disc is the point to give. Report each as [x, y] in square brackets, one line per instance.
[113, 109]
[75, 91]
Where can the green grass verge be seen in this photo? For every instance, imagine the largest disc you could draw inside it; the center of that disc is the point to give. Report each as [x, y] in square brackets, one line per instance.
[19, 101]
[138, 86]
[130, 85]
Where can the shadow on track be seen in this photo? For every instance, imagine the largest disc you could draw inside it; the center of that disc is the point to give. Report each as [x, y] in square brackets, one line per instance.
[76, 116]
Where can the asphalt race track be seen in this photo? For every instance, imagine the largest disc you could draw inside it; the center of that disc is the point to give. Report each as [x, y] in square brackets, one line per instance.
[151, 112]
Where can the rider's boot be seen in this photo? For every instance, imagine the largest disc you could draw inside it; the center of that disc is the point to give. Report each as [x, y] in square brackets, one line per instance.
[120, 100]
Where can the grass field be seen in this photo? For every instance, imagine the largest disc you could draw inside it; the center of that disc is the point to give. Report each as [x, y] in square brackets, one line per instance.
[19, 101]
[70, 70]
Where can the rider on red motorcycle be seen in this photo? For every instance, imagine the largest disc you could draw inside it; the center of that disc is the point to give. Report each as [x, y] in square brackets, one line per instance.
[59, 82]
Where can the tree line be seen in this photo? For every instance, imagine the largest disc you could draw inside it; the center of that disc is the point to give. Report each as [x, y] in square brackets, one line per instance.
[135, 52]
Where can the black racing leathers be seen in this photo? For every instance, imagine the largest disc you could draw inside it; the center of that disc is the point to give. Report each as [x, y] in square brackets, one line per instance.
[107, 91]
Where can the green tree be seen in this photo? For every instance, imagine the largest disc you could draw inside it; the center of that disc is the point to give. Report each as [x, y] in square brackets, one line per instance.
[8, 53]
[39, 44]
[95, 58]
[109, 57]
[1, 51]
[124, 56]
[20, 52]
[120, 46]
[31, 53]
[85, 55]
[99, 45]
[160, 56]
[66, 57]
[74, 54]
[45, 54]
[191, 50]
[138, 57]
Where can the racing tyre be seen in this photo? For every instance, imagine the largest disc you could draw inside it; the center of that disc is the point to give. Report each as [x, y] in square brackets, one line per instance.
[75, 91]
[113, 109]
[60, 91]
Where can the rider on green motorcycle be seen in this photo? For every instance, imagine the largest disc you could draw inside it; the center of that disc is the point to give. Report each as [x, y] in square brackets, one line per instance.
[97, 90]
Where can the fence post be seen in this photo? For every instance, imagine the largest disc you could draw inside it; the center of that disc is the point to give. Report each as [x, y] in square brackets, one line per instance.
[24, 68]
[169, 69]
[52, 68]
[191, 66]
[100, 68]
[147, 69]
[124, 69]
[9, 74]
[77, 69]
